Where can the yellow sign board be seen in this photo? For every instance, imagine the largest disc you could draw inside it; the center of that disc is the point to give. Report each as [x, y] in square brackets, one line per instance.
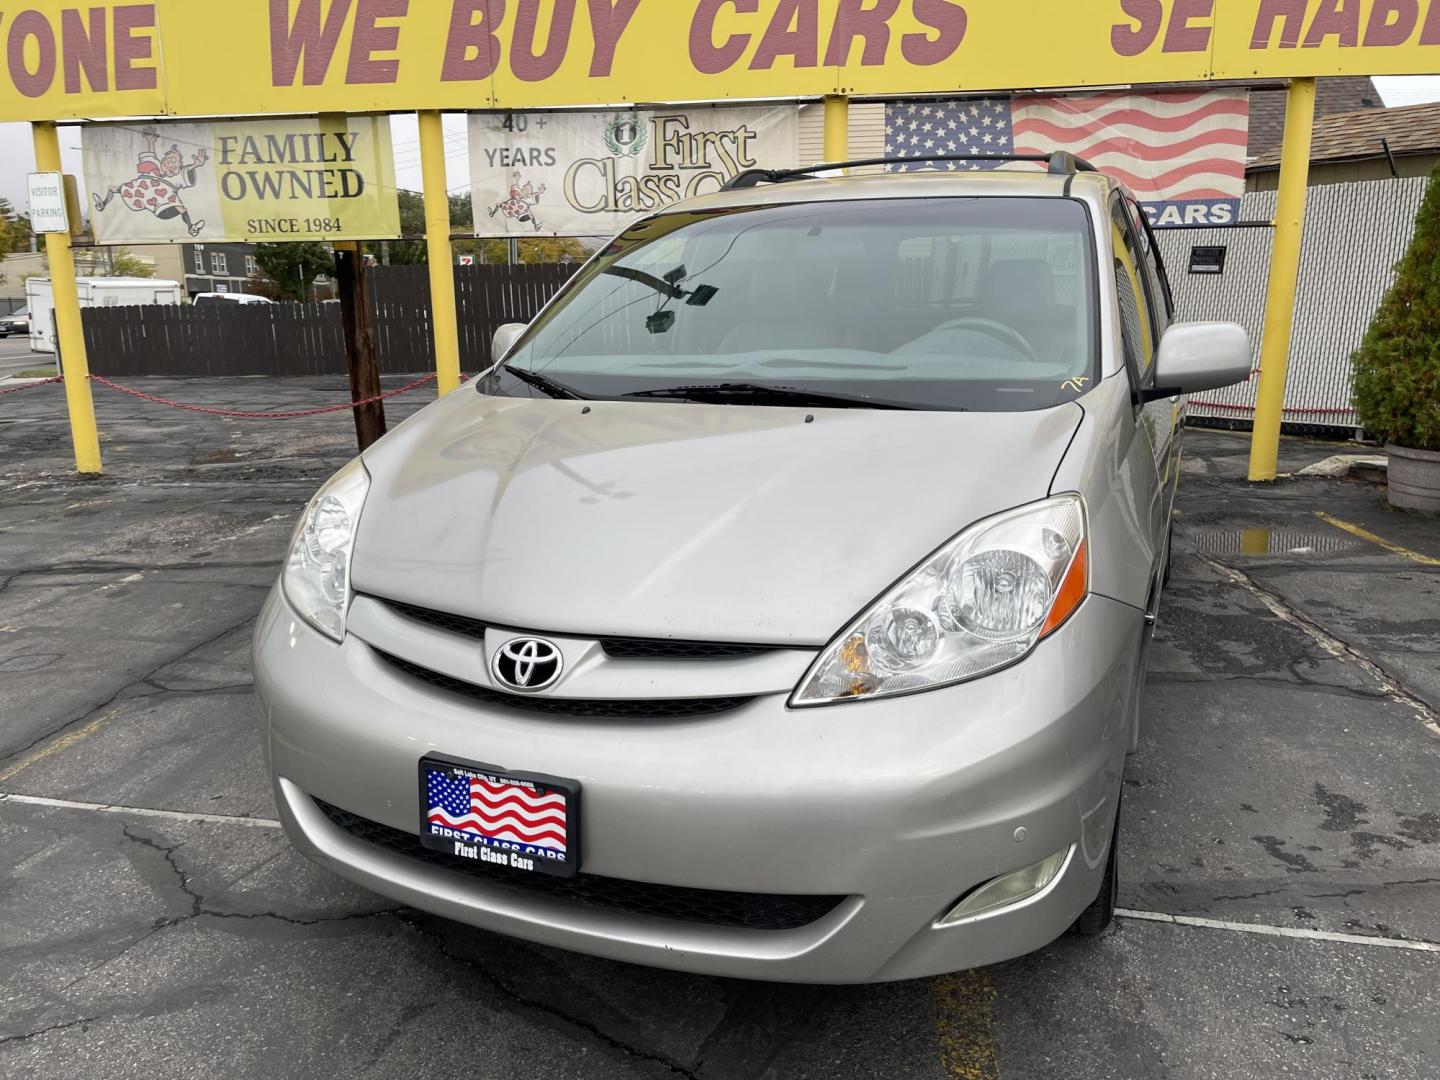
[66, 59]
[258, 180]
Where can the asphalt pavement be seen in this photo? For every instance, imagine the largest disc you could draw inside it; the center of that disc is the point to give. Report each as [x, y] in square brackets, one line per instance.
[15, 355]
[1280, 869]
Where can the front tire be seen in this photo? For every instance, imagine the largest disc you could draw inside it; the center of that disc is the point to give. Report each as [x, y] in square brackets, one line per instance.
[1096, 918]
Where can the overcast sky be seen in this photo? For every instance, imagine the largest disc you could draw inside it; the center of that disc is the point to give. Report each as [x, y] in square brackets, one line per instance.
[17, 154]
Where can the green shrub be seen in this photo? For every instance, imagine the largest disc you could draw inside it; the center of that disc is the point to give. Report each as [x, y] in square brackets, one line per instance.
[1397, 370]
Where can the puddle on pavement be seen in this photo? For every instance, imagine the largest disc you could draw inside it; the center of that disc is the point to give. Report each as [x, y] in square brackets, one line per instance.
[1265, 541]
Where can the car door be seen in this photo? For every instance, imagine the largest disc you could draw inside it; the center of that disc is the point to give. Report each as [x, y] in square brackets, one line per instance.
[1147, 459]
[1169, 417]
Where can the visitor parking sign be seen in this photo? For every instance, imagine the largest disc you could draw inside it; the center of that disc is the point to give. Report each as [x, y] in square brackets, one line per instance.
[48, 213]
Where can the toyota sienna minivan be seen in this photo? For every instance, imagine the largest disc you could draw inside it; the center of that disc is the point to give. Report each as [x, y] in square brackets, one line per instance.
[777, 605]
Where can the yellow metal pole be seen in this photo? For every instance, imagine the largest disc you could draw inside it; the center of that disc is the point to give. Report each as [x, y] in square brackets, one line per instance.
[1284, 274]
[69, 338]
[437, 243]
[837, 127]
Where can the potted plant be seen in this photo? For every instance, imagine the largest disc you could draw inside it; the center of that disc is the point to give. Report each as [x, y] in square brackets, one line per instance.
[1397, 369]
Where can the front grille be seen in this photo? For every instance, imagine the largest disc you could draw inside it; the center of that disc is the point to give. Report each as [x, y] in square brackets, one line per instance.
[622, 709]
[455, 624]
[710, 907]
[615, 647]
[660, 649]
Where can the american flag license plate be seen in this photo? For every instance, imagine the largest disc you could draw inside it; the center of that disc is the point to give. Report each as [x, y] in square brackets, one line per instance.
[511, 821]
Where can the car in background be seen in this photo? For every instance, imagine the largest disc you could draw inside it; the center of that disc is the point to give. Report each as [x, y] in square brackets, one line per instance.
[778, 605]
[206, 299]
[17, 322]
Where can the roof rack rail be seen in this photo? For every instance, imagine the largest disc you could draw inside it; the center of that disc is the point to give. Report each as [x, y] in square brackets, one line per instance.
[1060, 163]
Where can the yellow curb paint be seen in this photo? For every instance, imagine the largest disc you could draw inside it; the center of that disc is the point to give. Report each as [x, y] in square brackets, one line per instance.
[964, 1004]
[1366, 534]
[1255, 542]
[62, 743]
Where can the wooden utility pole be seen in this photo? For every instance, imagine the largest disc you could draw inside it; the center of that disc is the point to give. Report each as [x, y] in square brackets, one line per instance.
[362, 355]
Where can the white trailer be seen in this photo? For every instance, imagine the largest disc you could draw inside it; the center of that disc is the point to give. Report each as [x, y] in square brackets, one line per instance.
[94, 292]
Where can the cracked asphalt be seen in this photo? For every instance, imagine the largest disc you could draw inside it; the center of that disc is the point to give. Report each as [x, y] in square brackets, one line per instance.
[154, 923]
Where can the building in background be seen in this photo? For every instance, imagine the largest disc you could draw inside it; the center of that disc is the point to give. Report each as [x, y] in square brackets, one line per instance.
[164, 259]
[1345, 94]
[219, 268]
[1371, 144]
[18, 267]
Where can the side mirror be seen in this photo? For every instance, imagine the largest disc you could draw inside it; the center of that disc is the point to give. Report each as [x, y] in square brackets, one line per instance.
[504, 340]
[1200, 356]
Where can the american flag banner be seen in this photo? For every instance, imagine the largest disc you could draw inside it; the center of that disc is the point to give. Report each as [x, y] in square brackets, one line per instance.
[1182, 153]
[505, 813]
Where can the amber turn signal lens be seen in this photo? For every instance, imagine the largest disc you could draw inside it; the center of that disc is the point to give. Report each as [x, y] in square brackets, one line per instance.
[1072, 590]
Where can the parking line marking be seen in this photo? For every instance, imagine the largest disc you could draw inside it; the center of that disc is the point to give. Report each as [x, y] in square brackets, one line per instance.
[1366, 534]
[964, 1003]
[1330, 643]
[62, 743]
[141, 811]
[1278, 931]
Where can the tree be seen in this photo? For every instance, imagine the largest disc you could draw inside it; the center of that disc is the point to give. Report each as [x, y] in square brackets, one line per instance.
[294, 267]
[124, 264]
[412, 223]
[15, 231]
[262, 284]
[1397, 369]
[537, 249]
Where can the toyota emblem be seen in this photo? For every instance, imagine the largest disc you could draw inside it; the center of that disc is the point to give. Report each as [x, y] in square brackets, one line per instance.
[527, 664]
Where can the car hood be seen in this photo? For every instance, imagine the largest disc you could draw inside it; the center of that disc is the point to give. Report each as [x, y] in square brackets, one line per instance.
[686, 521]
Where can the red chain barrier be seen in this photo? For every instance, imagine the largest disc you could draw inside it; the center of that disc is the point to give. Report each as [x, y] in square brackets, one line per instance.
[31, 386]
[235, 414]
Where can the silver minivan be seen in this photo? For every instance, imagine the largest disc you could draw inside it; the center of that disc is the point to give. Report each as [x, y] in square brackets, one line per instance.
[778, 605]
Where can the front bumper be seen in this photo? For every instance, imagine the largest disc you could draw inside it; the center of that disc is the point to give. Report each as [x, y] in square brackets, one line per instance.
[900, 806]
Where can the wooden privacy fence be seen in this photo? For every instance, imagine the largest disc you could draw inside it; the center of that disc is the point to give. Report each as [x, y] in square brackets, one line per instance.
[307, 339]
[228, 339]
[486, 298]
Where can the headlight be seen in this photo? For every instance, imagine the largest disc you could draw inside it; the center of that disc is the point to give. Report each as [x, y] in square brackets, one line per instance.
[979, 603]
[317, 575]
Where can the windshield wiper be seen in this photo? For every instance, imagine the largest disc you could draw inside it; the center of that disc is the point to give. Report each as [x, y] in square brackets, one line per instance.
[755, 393]
[545, 383]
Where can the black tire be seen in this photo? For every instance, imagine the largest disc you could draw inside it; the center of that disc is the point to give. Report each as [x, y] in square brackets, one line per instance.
[1096, 918]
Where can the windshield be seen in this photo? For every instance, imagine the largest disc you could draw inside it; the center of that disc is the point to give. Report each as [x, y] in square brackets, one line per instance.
[975, 303]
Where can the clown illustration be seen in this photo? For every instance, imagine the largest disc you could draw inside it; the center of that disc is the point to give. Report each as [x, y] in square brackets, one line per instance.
[158, 182]
[520, 206]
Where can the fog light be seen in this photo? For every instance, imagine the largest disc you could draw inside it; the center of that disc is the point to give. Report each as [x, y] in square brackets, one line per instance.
[1010, 889]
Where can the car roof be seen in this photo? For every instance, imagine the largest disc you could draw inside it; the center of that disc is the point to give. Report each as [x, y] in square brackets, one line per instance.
[1017, 180]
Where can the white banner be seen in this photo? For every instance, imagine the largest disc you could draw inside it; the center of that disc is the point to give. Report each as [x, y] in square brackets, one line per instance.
[592, 174]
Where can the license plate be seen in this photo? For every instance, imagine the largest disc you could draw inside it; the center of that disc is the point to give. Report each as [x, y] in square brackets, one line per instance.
[523, 822]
